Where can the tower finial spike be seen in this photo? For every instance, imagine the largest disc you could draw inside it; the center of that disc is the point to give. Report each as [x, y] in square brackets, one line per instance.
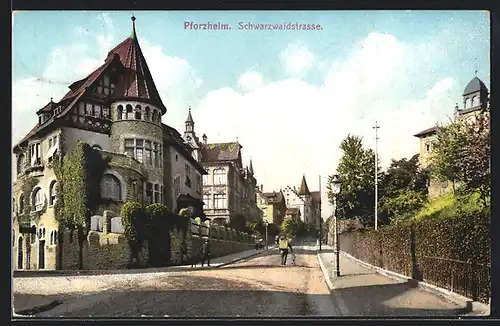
[475, 72]
[133, 26]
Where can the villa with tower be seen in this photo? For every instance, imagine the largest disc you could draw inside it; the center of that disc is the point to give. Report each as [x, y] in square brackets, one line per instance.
[118, 111]
[302, 203]
[474, 99]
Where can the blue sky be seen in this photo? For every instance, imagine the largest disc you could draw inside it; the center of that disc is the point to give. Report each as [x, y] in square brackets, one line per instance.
[289, 96]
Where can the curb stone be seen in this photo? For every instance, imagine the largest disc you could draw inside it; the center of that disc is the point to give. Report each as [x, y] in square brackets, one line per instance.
[243, 258]
[340, 304]
[467, 305]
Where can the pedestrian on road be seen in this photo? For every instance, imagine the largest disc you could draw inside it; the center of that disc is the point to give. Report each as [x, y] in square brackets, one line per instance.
[205, 253]
[284, 246]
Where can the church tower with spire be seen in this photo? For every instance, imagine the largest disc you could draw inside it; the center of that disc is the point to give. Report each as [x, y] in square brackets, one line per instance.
[191, 138]
[136, 112]
[305, 195]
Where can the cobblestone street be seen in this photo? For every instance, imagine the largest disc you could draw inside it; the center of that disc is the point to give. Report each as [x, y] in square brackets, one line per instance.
[255, 287]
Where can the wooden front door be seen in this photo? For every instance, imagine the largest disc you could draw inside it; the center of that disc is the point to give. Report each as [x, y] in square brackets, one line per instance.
[41, 254]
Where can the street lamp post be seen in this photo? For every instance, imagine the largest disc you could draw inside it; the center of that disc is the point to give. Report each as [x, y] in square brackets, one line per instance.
[266, 224]
[336, 250]
[320, 226]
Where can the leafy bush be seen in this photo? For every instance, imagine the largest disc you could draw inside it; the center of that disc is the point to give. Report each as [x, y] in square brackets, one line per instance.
[135, 221]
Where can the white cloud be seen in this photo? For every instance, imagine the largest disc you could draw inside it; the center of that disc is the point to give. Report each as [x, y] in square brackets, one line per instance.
[250, 81]
[290, 127]
[297, 59]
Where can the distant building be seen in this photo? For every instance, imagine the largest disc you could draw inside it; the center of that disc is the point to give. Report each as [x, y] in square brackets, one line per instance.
[307, 202]
[475, 97]
[272, 204]
[229, 187]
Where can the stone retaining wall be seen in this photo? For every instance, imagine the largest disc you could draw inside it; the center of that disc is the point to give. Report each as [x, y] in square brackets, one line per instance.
[106, 250]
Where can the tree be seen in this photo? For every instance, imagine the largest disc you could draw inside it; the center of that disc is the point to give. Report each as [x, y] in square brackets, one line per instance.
[404, 188]
[357, 171]
[448, 153]
[237, 222]
[288, 226]
[475, 165]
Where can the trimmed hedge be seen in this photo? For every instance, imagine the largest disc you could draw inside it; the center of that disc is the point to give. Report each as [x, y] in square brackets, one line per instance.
[451, 253]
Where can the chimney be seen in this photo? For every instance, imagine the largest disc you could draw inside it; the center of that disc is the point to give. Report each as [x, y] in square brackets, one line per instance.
[262, 188]
[204, 139]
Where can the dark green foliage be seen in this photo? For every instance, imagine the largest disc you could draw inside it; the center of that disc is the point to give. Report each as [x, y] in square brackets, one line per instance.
[79, 175]
[135, 222]
[237, 222]
[476, 163]
[448, 154]
[465, 237]
[357, 171]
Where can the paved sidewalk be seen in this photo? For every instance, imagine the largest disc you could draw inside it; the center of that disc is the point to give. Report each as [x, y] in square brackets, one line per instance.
[360, 291]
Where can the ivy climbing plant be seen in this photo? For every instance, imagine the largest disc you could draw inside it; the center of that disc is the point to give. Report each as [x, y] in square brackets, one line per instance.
[135, 224]
[79, 175]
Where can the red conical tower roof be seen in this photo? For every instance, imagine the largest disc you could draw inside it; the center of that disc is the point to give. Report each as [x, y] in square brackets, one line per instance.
[136, 82]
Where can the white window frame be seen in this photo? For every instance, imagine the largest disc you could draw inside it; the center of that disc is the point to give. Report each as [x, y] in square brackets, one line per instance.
[38, 199]
[220, 201]
[52, 193]
[220, 176]
[206, 200]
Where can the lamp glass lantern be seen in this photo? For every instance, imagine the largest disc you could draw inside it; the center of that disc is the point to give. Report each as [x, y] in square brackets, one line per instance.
[336, 184]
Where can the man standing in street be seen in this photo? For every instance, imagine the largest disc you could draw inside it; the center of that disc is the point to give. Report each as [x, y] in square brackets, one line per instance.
[284, 245]
[205, 253]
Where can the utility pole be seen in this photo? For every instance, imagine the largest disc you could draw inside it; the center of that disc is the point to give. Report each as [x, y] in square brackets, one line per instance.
[376, 127]
[320, 226]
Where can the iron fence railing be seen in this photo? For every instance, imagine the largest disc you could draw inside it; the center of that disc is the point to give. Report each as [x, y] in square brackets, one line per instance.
[470, 279]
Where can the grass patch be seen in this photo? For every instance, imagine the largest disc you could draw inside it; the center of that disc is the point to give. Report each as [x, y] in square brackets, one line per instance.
[449, 205]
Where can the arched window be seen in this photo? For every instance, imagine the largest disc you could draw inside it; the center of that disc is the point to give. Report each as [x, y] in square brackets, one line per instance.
[138, 112]
[32, 237]
[20, 164]
[110, 187]
[97, 147]
[53, 192]
[130, 112]
[467, 103]
[154, 116]
[120, 112]
[38, 199]
[147, 114]
[475, 101]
